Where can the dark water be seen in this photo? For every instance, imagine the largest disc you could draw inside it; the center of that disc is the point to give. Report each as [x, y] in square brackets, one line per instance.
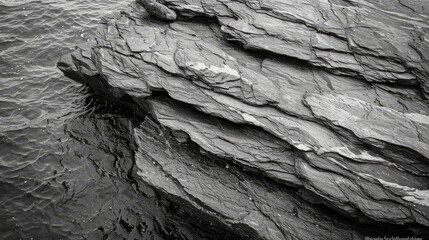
[60, 151]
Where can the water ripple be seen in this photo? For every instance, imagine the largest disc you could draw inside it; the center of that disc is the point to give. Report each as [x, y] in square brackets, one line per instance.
[48, 134]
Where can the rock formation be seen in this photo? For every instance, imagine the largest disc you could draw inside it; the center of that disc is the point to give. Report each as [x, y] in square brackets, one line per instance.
[276, 119]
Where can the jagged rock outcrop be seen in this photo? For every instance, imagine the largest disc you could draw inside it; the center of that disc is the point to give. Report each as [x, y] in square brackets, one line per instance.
[327, 108]
[255, 208]
[382, 42]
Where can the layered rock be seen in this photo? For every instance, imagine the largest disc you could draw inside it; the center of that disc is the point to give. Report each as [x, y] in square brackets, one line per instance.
[254, 208]
[381, 42]
[327, 108]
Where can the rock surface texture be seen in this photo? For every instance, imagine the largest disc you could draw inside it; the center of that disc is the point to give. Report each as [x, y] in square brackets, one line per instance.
[276, 119]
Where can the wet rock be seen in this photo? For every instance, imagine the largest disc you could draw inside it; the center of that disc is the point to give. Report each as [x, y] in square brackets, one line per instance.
[345, 126]
[253, 209]
[246, 145]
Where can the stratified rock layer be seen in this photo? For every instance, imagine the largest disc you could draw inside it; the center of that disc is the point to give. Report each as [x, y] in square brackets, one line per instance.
[380, 41]
[328, 108]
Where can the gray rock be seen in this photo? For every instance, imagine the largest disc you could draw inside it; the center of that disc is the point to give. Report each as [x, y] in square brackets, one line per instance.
[371, 123]
[250, 208]
[379, 42]
[158, 10]
[246, 145]
[347, 124]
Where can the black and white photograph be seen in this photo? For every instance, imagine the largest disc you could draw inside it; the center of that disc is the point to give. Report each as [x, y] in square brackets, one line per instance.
[214, 119]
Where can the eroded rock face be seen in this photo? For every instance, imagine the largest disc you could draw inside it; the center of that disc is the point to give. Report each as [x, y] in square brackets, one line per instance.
[255, 208]
[378, 41]
[345, 126]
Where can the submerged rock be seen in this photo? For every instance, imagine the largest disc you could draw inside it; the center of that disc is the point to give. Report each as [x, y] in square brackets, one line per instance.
[257, 140]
